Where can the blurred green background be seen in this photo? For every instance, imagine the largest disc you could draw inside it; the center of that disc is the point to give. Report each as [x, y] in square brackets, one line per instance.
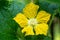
[9, 8]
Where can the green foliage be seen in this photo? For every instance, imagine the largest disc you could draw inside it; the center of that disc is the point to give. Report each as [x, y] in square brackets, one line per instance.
[54, 1]
[47, 6]
[47, 38]
[50, 6]
[37, 37]
[3, 4]
[8, 27]
[20, 35]
[58, 3]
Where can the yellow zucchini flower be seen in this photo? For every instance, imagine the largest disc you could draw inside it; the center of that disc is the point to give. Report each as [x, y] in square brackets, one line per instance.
[31, 22]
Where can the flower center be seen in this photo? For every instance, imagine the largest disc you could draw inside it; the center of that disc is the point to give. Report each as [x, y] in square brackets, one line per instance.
[32, 22]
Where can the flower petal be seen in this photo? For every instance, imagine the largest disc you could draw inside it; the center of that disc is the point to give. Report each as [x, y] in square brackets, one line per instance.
[21, 20]
[28, 30]
[41, 29]
[43, 17]
[30, 10]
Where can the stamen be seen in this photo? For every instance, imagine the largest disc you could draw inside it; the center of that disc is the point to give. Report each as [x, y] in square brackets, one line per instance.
[32, 21]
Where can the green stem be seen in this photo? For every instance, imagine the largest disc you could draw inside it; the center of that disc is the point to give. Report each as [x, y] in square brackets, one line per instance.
[52, 19]
[53, 16]
[55, 12]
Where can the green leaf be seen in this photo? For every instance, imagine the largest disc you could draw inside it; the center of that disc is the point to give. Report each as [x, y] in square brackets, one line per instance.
[8, 27]
[54, 1]
[3, 4]
[48, 6]
[20, 35]
[47, 38]
[30, 37]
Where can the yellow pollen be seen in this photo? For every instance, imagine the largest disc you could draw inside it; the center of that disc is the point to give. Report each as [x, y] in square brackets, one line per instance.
[32, 21]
